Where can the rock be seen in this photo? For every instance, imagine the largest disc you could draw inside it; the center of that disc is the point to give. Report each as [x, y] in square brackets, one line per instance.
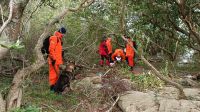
[134, 101]
[88, 83]
[96, 80]
[173, 105]
[168, 92]
[192, 93]
[172, 93]
[164, 101]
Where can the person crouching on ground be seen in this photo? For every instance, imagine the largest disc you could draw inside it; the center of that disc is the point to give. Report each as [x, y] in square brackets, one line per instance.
[103, 52]
[118, 55]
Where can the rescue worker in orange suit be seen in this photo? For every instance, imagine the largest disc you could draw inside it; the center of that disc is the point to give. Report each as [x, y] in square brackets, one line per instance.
[55, 58]
[118, 55]
[103, 51]
[129, 51]
[109, 46]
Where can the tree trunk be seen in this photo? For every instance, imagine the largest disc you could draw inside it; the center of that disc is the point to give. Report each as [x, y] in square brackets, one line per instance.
[15, 94]
[2, 104]
[12, 30]
[158, 74]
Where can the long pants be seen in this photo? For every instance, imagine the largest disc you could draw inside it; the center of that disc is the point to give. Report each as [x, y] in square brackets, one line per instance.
[53, 73]
[102, 60]
[130, 61]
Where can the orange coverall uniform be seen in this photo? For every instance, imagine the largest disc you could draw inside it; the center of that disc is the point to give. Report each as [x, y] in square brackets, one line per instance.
[109, 47]
[130, 52]
[55, 53]
[118, 52]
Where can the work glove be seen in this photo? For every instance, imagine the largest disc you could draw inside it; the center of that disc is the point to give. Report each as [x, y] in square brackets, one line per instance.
[53, 62]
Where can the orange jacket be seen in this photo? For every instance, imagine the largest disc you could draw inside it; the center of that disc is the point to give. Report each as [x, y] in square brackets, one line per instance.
[55, 48]
[109, 45]
[129, 48]
[118, 52]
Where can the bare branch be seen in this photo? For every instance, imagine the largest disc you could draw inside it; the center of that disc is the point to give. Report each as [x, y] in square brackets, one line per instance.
[82, 33]
[9, 18]
[110, 110]
[86, 48]
[158, 74]
[15, 91]
[62, 14]
[178, 28]
[195, 5]
[186, 18]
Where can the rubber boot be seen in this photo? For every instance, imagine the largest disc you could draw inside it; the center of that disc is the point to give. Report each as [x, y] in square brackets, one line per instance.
[52, 88]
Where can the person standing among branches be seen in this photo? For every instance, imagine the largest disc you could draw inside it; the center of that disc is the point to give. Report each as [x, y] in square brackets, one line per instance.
[55, 58]
[129, 51]
[109, 46]
[103, 52]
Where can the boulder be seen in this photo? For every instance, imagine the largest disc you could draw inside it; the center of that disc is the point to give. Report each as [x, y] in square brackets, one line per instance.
[88, 83]
[134, 101]
[173, 105]
[166, 100]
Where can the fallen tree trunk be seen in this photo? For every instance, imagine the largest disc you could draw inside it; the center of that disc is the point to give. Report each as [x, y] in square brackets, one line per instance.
[158, 74]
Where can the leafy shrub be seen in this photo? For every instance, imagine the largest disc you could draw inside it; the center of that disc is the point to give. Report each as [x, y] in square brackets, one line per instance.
[147, 81]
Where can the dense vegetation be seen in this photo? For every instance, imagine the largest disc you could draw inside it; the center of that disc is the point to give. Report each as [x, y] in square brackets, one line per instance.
[165, 32]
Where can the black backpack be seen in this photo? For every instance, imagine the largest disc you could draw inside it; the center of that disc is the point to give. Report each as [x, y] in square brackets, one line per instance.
[45, 47]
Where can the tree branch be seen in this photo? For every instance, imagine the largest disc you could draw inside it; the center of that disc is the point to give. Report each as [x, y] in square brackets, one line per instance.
[13, 96]
[82, 33]
[110, 110]
[2, 18]
[177, 27]
[158, 74]
[9, 18]
[186, 18]
[2, 104]
[180, 30]
[85, 48]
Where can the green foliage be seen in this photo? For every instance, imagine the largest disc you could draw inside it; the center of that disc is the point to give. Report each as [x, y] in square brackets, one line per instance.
[27, 109]
[16, 45]
[165, 70]
[147, 81]
[4, 85]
